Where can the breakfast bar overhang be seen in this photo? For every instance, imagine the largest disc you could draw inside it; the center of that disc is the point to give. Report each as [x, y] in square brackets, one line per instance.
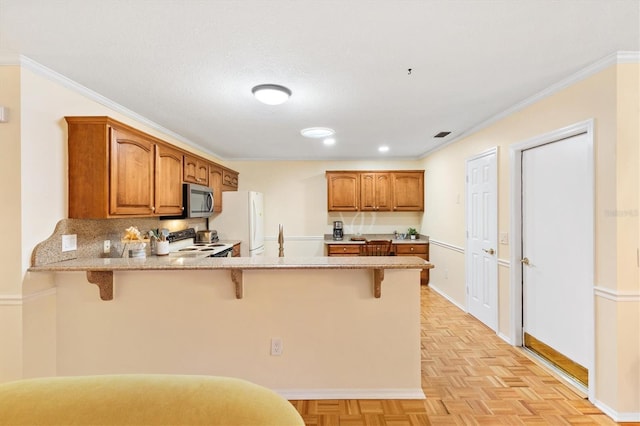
[100, 270]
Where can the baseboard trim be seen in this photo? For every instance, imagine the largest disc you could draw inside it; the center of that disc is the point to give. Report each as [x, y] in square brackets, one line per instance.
[306, 394]
[616, 416]
[505, 338]
[435, 288]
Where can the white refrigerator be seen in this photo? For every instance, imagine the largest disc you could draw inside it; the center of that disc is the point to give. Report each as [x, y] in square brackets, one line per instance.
[242, 218]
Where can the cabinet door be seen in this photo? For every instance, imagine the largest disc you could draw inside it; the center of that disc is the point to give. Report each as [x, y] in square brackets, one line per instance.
[375, 191]
[343, 191]
[196, 170]
[168, 181]
[229, 180]
[215, 182]
[131, 174]
[408, 191]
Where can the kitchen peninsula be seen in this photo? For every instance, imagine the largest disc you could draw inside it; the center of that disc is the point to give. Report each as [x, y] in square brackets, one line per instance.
[183, 316]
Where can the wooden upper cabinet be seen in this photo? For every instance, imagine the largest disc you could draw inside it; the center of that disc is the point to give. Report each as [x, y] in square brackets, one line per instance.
[196, 170]
[384, 190]
[116, 170]
[375, 191]
[132, 174]
[215, 182]
[168, 189]
[343, 191]
[229, 180]
[408, 190]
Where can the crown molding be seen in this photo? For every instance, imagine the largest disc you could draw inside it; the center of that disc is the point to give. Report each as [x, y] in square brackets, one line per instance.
[7, 58]
[622, 57]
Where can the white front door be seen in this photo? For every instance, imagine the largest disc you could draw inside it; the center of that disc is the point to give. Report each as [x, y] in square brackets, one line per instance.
[482, 235]
[557, 248]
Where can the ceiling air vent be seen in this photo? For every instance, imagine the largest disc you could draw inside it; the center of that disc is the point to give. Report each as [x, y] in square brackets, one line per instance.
[442, 135]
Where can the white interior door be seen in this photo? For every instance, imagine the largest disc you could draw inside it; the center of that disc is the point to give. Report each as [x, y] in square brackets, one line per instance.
[557, 245]
[482, 235]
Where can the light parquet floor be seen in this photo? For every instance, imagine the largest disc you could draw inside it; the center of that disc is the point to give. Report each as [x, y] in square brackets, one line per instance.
[470, 377]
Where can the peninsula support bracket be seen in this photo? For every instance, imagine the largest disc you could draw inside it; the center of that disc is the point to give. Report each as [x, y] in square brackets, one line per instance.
[236, 277]
[378, 276]
[104, 281]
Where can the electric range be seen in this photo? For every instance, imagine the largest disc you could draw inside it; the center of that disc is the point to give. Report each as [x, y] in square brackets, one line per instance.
[182, 244]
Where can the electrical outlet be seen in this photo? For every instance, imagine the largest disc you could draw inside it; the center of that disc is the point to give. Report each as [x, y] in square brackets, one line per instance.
[106, 248]
[276, 346]
[69, 242]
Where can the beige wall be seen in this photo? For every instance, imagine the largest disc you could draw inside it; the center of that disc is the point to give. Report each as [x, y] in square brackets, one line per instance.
[610, 97]
[296, 196]
[10, 250]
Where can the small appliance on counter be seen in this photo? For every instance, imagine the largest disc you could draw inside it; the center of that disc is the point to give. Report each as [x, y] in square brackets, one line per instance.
[338, 232]
[206, 236]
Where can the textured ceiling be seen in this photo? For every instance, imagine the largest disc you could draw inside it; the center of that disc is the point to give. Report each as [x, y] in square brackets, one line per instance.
[189, 65]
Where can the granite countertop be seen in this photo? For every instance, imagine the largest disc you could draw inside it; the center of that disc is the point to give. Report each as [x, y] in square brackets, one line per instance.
[260, 262]
[328, 239]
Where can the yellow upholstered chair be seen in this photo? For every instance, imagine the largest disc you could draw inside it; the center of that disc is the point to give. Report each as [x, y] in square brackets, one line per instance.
[143, 400]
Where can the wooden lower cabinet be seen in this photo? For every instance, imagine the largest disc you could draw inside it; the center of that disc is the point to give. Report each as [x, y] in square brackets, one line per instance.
[420, 250]
[405, 249]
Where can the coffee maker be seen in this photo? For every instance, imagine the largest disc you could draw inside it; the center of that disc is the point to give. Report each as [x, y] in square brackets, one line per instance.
[337, 230]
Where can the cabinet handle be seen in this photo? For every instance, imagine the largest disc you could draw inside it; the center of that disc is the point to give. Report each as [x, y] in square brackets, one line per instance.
[411, 248]
[153, 209]
[344, 249]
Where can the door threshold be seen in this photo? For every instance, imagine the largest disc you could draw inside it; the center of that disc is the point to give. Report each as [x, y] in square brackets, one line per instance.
[577, 387]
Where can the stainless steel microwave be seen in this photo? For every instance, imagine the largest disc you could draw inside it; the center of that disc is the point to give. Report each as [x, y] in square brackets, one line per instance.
[197, 200]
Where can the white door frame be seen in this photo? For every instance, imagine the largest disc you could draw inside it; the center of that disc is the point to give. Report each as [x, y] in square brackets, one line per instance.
[515, 158]
[495, 326]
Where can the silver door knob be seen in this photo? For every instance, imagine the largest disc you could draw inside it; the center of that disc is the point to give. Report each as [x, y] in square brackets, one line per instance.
[490, 251]
[525, 261]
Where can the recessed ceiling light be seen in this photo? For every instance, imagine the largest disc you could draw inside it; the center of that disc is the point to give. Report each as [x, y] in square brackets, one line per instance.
[317, 132]
[271, 94]
[383, 148]
[329, 141]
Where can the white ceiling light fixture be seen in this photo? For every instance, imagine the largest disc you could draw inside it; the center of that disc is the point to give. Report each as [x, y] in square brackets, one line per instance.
[383, 148]
[271, 94]
[329, 141]
[317, 132]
